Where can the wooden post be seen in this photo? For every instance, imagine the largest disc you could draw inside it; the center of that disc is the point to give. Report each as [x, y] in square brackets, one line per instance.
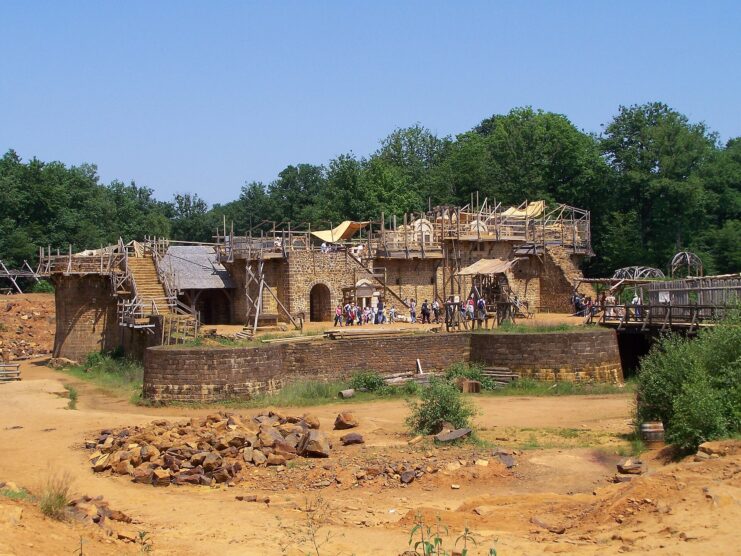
[406, 231]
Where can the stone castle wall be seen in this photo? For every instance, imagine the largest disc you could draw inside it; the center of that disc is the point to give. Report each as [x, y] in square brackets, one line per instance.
[211, 374]
[570, 356]
[86, 316]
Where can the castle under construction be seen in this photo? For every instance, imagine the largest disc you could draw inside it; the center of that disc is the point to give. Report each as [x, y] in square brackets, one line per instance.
[137, 294]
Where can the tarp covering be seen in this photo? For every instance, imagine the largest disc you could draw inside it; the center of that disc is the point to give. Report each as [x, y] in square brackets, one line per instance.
[488, 266]
[532, 210]
[340, 233]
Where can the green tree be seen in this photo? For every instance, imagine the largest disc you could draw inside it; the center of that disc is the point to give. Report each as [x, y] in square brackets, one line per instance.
[657, 154]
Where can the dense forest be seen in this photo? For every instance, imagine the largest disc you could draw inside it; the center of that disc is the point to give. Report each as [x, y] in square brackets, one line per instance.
[654, 181]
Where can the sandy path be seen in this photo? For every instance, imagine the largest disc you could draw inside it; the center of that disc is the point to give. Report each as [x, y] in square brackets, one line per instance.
[202, 520]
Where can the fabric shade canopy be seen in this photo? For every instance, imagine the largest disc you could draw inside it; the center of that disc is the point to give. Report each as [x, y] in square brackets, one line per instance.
[488, 266]
[340, 233]
[532, 210]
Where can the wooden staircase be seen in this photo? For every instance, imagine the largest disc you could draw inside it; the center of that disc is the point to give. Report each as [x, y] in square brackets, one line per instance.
[150, 291]
[149, 294]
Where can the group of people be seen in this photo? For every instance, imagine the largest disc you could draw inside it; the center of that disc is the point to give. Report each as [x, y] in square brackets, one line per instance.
[428, 311]
[606, 301]
[352, 314]
[470, 310]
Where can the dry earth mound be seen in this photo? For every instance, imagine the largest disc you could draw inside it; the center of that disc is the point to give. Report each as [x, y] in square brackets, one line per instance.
[27, 325]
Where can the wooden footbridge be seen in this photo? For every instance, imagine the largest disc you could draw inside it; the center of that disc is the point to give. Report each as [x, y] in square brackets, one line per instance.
[663, 317]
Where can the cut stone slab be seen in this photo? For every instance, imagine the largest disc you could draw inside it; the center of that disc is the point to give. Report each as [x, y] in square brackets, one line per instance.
[557, 529]
[507, 459]
[407, 477]
[352, 438]
[456, 434]
[345, 420]
[630, 466]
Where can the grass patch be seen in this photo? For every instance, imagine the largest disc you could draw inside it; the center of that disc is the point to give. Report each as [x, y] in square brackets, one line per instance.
[117, 375]
[55, 495]
[509, 328]
[72, 394]
[310, 393]
[21, 494]
[530, 387]
[532, 443]
[568, 433]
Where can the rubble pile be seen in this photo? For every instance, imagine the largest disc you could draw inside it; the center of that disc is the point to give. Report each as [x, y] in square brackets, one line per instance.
[209, 450]
[95, 510]
[26, 326]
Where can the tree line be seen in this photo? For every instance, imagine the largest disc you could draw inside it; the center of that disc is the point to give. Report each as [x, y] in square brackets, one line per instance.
[655, 182]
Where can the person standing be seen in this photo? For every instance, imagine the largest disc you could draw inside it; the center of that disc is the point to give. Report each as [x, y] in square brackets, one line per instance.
[338, 315]
[610, 305]
[425, 312]
[636, 303]
[413, 311]
[436, 311]
[481, 305]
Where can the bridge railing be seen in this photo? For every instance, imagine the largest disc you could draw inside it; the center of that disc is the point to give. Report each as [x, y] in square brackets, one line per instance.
[664, 316]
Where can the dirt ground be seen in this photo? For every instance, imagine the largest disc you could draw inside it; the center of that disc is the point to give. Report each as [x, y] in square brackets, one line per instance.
[565, 450]
[540, 319]
[27, 325]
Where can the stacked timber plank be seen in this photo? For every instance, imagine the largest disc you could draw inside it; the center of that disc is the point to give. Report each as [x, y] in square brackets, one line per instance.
[349, 333]
[10, 372]
[501, 376]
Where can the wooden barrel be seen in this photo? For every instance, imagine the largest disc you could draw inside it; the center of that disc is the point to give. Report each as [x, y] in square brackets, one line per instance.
[653, 432]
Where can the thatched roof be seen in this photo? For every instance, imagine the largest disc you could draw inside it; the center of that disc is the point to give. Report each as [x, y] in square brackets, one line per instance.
[195, 268]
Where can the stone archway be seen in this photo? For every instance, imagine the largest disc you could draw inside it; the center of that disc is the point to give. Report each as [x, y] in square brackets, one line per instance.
[320, 303]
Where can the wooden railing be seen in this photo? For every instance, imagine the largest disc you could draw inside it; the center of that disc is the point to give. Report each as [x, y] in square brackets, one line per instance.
[662, 316]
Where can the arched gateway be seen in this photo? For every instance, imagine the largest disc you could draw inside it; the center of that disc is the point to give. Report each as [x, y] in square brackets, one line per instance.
[320, 303]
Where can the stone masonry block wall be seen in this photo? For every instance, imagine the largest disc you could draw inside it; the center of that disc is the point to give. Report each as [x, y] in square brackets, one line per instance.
[305, 269]
[410, 279]
[86, 316]
[572, 356]
[210, 374]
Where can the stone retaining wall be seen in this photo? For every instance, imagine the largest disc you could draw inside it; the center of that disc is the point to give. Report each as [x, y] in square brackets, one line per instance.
[572, 356]
[211, 374]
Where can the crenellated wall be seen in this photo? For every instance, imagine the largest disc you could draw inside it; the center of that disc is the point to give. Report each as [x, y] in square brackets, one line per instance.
[211, 374]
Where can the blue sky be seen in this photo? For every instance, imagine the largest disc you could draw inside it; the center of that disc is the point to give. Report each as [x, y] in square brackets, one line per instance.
[204, 96]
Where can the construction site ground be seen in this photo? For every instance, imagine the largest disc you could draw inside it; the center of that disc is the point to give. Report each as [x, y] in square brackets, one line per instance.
[539, 319]
[565, 447]
[27, 324]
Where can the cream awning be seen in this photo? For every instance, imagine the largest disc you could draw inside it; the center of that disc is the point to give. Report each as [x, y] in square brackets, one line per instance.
[532, 210]
[488, 266]
[340, 233]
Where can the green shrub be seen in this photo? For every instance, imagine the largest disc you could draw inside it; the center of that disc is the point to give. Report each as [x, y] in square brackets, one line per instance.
[694, 386]
[42, 286]
[471, 371]
[410, 388]
[72, 394]
[438, 403]
[367, 380]
[698, 416]
[55, 495]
